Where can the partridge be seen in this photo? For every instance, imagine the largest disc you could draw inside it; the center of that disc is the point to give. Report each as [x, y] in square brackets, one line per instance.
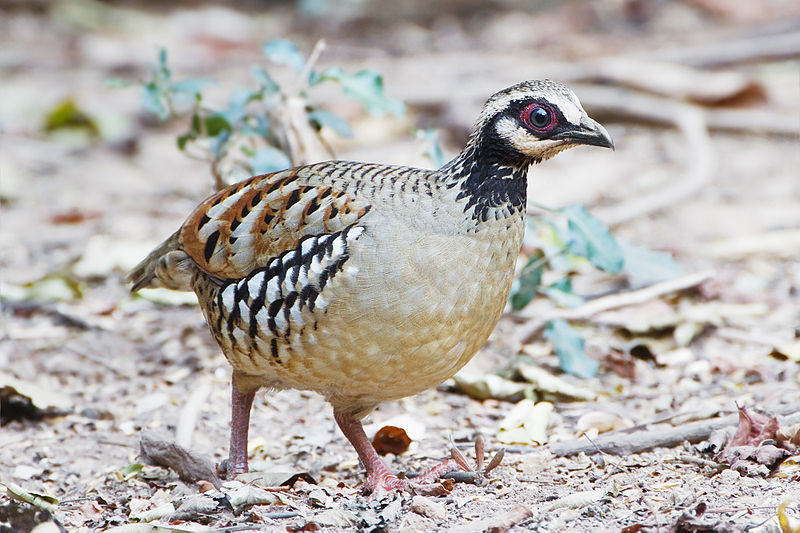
[367, 282]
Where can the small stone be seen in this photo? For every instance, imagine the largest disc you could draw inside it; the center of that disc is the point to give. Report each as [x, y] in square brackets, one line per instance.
[427, 507]
[729, 476]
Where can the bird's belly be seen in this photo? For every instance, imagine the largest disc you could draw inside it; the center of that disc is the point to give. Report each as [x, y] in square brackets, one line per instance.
[403, 315]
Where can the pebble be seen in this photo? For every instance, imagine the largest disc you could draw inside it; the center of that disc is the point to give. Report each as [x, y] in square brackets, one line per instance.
[427, 507]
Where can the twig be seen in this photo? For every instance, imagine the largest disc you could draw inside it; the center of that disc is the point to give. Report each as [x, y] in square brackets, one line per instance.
[619, 443]
[784, 46]
[190, 466]
[531, 330]
[313, 57]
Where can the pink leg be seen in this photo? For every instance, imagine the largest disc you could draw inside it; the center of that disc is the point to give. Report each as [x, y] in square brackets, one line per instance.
[379, 478]
[240, 424]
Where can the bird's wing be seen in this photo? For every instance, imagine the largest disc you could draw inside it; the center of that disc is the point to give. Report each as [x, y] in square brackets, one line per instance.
[242, 227]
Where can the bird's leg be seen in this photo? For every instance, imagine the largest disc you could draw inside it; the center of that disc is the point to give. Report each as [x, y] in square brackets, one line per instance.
[241, 401]
[379, 478]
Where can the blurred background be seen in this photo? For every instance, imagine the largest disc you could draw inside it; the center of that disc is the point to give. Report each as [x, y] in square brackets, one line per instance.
[702, 98]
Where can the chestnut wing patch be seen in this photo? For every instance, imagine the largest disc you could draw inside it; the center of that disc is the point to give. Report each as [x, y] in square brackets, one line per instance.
[242, 227]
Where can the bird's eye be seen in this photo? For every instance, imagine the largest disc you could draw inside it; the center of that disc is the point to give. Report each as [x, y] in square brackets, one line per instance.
[538, 117]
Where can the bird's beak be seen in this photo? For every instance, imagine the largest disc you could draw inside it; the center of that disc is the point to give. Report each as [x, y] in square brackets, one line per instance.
[588, 132]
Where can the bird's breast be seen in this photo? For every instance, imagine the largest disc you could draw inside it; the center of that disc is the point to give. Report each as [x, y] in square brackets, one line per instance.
[402, 312]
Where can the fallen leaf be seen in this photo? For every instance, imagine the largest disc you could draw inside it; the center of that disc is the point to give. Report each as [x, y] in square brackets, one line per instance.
[72, 216]
[391, 439]
[554, 388]
[526, 423]
[787, 352]
[485, 386]
[753, 428]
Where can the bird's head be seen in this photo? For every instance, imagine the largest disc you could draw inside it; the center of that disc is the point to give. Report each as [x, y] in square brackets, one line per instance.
[534, 120]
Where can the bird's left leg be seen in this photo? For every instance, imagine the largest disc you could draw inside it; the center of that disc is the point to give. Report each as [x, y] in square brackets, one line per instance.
[242, 393]
[379, 478]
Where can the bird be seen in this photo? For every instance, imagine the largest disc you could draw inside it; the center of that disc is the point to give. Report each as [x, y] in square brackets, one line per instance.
[366, 282]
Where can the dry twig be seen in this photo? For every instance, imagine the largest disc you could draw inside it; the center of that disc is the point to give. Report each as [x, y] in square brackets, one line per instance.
[621, 443]
[532, 329]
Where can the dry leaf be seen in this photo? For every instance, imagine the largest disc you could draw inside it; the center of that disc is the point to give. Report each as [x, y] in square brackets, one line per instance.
[554, 388]
[753, 429]
[391, 439]
[526, 423]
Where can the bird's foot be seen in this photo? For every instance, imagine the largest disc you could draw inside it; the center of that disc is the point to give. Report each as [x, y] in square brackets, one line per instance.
[228, 469]
[381, 481]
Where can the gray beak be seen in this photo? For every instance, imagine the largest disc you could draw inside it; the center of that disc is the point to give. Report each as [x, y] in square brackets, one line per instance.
[589, 132]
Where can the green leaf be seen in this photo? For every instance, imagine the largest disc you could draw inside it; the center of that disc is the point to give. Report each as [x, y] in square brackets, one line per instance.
[284, 52]
[268, 160]
[561, 293]
[366, 86]
[648, 266]
[184, 139]
[219, 142]
[131, 471]
[568, 345]
[525, 286]
[216, 123]
[263, 78]
[67, 115]
[258, 125]
[592, 240]
[321, 118]
[153, 100]
[42, 501]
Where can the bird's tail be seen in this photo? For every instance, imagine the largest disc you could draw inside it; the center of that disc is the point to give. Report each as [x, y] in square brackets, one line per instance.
[166, 266]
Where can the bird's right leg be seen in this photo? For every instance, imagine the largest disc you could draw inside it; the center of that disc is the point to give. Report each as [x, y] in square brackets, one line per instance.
[242, 394]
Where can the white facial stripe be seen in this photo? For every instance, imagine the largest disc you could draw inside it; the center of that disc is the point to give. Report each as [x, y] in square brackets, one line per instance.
[571, 110]
[558, 95]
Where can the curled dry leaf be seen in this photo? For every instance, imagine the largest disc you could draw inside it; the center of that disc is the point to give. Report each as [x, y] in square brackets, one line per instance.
[526, 423]
[753, 429]
[391, 439]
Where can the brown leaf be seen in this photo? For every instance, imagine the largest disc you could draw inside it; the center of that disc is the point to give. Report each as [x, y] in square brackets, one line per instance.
[72, 216]
[754, 428]
[789, 437]
[391, 439]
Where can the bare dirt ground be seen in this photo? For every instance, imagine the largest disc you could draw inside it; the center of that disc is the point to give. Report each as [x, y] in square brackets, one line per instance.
[77, 212]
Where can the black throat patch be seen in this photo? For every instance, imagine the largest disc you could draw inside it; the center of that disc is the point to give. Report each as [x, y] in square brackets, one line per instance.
[492, 186]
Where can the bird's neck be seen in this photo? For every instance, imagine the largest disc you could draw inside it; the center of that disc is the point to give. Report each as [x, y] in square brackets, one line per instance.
[491, 187]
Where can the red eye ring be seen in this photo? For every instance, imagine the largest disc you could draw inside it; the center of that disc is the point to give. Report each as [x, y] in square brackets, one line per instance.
[538, 117]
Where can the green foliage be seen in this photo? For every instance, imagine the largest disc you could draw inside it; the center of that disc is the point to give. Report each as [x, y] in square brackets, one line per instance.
[589, 238]
[568, 346]
[366, 86]
[251, 122]
[67, 115]
[527, 284]
[564, 240]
